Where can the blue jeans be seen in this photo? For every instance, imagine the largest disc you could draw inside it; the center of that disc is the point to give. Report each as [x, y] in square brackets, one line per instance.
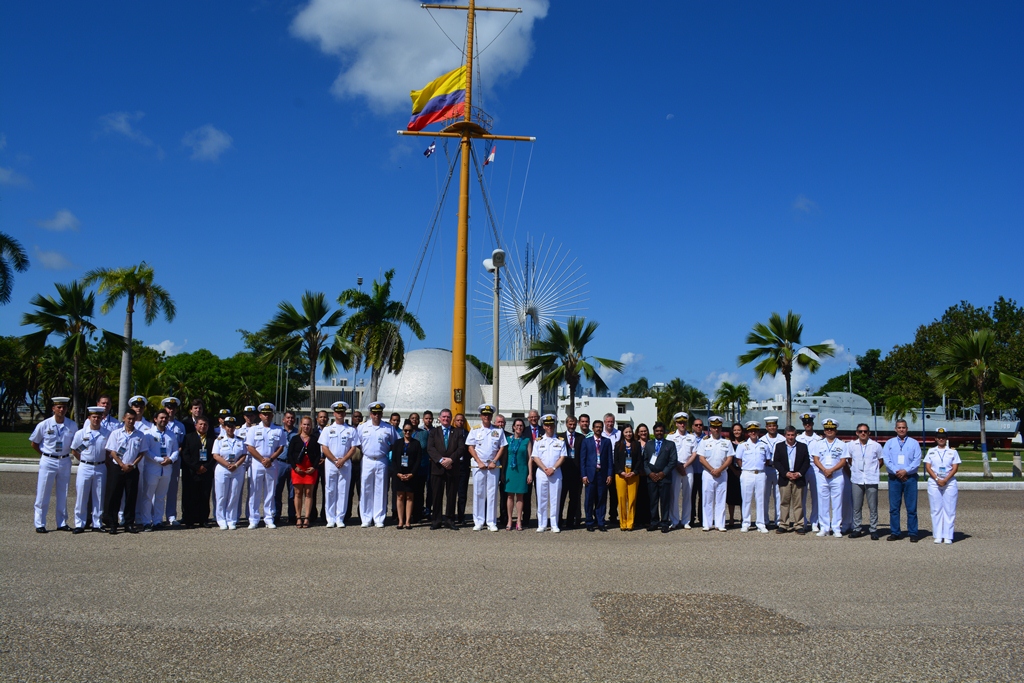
[907, 492]
[596, 497]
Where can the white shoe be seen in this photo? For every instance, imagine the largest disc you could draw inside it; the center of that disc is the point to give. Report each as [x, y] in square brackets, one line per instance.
[837, 534]
[541, 529]
[707, 528]
[554, 530]
[762, 528]
[341, 525]
[687, 526]
[222, 525]
[253, 525]
[478, 527]
[820, 533]
[232, 527]
[492, 527]
[173, 522]
[365, 525]
[948, 541]
[938, 540]
[814, 527]
[379, 526]
[722, 529]
[330, 525]
[271, 525]
[745, 528]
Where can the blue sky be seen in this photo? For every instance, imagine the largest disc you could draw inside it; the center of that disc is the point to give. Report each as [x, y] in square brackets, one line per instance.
[705, 163]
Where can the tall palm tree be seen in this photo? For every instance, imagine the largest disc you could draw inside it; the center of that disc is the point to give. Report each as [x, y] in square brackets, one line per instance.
[69, 316]
[638, 389]
[134, 284]
[778, 347]
[692, 399]
[898, 407]
[12, 257]
[676, 395]
[559, 357]
[375, 327]
[970, 361]
[291, 330]
[732, 398]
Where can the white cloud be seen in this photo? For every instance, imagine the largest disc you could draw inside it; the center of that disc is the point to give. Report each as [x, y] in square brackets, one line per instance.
[9, 176]
[61, 221]
[669, 117]
[53, 260]
[715, 379]
[120, 122]
[805, 205]
[389, 47]
[168, 347]
[207, 143]
[630, 360]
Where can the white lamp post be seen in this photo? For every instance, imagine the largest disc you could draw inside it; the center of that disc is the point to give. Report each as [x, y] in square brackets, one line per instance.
[494, 265]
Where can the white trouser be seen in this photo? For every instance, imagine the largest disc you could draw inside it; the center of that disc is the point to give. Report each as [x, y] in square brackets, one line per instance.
[712, 492]
[262, 484]
[52, 470]
[847, 504]
[771, 489]
[485, 496]
[91, 479]
[810, 495]
[337, 482]
[171, 505]
[830, 501]
[682, 484]
[549, 489]
[942, 500]
[153, 494]
[752, 486]
[227, 488]
[373, 499]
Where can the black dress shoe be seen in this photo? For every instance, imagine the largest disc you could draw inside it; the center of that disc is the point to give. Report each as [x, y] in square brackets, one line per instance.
[451, 525]
[602, 529]
[40, 529]
[856, 534]
[590, 528]
[132, 529]
[666, 529]
[77, 530]
[112, 531]
[652, 527]
[892, 537]
[874, 535]
[435, 526]
[63, 527]
[802, 531]
[913, 539]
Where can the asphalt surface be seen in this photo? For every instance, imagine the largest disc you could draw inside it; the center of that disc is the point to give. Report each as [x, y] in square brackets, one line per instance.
[383, 604]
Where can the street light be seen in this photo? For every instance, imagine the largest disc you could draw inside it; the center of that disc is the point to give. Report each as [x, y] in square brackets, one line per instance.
[494, 265]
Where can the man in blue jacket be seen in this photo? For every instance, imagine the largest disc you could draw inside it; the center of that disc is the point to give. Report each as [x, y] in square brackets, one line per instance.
[596, 470]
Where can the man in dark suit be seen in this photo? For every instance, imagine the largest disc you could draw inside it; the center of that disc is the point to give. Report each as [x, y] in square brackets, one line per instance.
[195, 410]
[596, 471]
[659, 461]
[446, 448]
[572, 482]
[197, 467]
[792, 460]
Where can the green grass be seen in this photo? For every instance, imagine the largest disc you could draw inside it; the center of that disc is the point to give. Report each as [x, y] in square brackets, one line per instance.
[16, 444]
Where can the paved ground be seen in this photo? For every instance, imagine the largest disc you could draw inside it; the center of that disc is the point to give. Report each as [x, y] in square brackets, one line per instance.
[368, 604]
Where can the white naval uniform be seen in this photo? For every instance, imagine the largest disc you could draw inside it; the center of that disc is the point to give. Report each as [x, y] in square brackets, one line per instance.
[91, 446]
[681, 484]
[810, 494]
[830, 490]
[753, 481]
[243, 494]
[339, 439]
[548, 450]
[488, 442]
[54, 440]
[156, 477]
[375, 442]
[171, 506]
[263, 480]
[771, 480]
[942, 499]
[713, 489]
[110, 423]
[228, 485]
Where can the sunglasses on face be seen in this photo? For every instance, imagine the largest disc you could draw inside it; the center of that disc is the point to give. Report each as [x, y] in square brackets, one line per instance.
[862, 431]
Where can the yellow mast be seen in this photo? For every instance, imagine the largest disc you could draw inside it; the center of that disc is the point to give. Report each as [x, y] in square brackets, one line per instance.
[465, 130]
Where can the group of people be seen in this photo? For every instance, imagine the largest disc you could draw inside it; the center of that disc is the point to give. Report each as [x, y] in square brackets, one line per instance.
[129, 472]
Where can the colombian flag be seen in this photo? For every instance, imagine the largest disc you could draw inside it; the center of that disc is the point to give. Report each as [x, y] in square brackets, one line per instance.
[442, 98]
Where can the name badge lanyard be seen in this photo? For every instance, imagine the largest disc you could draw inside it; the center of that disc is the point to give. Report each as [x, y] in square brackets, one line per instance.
[60, 429]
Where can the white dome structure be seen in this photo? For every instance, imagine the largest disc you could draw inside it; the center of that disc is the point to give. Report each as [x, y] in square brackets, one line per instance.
[425, 384]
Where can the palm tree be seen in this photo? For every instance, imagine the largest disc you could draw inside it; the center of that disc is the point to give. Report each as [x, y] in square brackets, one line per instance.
[375, 327]
[309, 331]
[777, 345]
[969, 361]
[671, 399]
[898, 407]
[638, 389]
[692, 399]
[558, 357]
[12, 257]
[69, 316]
[732, 397]
[133, 284]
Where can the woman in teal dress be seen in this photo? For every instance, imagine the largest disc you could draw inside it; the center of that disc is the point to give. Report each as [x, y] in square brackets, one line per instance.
[517, 471]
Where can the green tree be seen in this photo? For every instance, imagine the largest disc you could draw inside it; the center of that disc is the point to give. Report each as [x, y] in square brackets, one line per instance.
[678, 395]
[199, 375]
[559, 356]
[12, 258]
[778, 347]
[68, 316]
[732, 398]
[970, 361]
[375, 328]
[638, 389]
[863, 378]
[485, 369]
[14, 382]
[898, 407]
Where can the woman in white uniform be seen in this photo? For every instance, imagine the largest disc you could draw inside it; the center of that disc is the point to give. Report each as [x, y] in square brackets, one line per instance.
[941, 464]
[548, 455]
[230, 453]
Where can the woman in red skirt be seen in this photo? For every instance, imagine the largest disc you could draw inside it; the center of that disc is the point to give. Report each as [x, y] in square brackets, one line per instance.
[304, 456]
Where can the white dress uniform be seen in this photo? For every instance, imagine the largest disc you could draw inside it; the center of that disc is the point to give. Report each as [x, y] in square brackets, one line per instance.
[682, 484]
[90, 446]
[227, 484]
[810, 493]
[110, 423]
[753, 482]
[375, 442]
[171, 506]
[54, 440]
[243, 495]
[772, 513]
[830, 490]
[339, 439]
[267, 440]
[548, 450]
[488, 442]
[713, 489]
[156, 477]
[942, 499]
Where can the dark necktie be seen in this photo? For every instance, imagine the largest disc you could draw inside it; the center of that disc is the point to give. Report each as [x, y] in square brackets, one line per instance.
[446, 437]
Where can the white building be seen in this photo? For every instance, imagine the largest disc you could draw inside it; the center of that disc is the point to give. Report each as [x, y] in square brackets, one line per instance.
[516, 399]
[627, 411]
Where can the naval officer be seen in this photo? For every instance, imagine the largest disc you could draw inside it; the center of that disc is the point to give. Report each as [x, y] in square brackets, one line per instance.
[829, 456]
[546, 462]
[90, 449]
[265, 443]
[138, 404]
[486, 445]
[865, 460]
[752, 456]
[682, 474]
[230, 452]
[772, 511]
[716, 454]
[375, 438]
[52, 439]
[176, 427]
[338, 445]
[941, 464]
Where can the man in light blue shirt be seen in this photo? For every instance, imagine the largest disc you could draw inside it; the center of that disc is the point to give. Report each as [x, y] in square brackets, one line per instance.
[902, 457]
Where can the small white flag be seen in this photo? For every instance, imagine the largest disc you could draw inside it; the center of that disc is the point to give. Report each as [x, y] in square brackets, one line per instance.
[490, 157]
[429, 150]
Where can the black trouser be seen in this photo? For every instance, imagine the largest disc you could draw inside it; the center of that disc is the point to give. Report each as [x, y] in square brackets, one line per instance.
[285, 482]
[696, 498]
[120, 484]
[642, 511]
[444, 484]
[195, 496]
[313, 514]
[613, 503]
[502, 505]
[572, 486]
[418, 483]
[465, 473]
[661, 495]
[355, 486]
